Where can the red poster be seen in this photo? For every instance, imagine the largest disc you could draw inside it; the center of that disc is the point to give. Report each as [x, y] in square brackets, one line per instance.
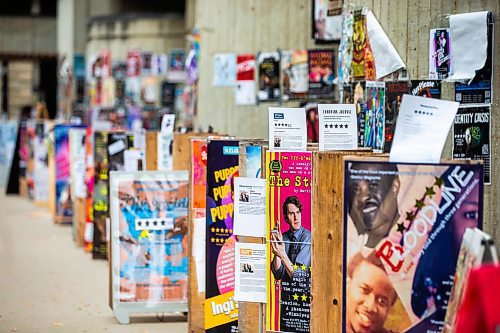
[133, 63]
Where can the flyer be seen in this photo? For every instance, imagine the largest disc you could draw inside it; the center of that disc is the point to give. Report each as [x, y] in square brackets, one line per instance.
[375, 115]
[249, 207]
[199, 174]
[133, 63]
[426, 88]
[363, 63]
[422, 129]
[168, 94]
[165, 145]
[64, 201]
[89, 186]
[439, 54]
[287, 129]
[321, 75]
[224, 70]
[327, 25]
[337, 127]
[269, 76]
[253, 161]
[288, 177]
[176, 67]
[358, 98]
[221, 310]
[403, 249]
[472, 136]
[40, 162]
[250, 272]
[394, 91]
[100, 198]
[245, 80]
[150, 90]
[149, 220]
[77, 162]
[294, 74]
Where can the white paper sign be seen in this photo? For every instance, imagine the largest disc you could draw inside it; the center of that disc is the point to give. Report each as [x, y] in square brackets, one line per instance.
[164, 152]
[287, 129]
[244, 93]
[249, 207]
[167, 124]
[199, 233]
[421, 130]
[131, 159]
[337, 127]
[250, 272]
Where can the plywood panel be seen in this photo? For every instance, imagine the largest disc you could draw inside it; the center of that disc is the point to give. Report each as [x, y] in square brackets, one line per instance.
[79, 220]
[151, 150]
[181, 149]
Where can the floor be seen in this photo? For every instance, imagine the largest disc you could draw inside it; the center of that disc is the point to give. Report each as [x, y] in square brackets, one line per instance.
[48, 284]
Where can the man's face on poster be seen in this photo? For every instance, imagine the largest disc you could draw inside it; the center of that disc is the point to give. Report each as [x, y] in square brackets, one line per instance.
[372, 206]
[293, 217]
[369, 299]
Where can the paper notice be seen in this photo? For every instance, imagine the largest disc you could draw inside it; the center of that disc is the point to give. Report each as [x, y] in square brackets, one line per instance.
[337, 127]
[287, 129]
[199, 251]
[421, 130]
[249, 207]
[167, 124]
[134, 160]
[250, 272]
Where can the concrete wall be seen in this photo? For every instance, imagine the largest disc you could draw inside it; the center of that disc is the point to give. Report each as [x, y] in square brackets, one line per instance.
[262, 25]
[21, 79]
[26, 35]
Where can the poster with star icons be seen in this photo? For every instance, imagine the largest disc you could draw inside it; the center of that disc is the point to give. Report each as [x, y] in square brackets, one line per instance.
[403, 226]
[149, 253]
[287, 129]
[288, 235]
[337, 127]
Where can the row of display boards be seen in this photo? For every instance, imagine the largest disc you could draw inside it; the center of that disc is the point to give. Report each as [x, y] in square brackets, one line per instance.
[342, 240]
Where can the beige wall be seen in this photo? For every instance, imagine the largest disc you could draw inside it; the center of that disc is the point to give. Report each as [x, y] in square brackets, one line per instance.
[262, 25]
[25, 35]
[21, 78]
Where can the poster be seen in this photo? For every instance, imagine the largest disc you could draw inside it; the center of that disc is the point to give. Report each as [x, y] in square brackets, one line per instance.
[133, 63]
[245, 80]
[253, 161]
[150, 90]
[327, 20]
[147, 63]
[224, 70]
[250, 272]
[287, 129]
[426, 88]
[165, 148]
[133, 90]
[394, 91]
[40, 162]
[149, 218]
[64, 201]
[472, 136]
[358, 98]
[199, 173]
[160, 64]
[88, 235]
[294, 74]
[363, 63]
[402, 249]
[250, 207]
[289, 178]
[176, 67]
[77, 162]
[221, 310]
[439, 54]
[321, 66]
[337, 127]
[269, 76]
[8, 135]
[374, 116]
[100, 200]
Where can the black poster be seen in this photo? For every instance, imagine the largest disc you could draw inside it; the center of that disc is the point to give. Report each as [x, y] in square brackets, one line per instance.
[426, 88]
[471, 136]
[167, 94]
[394, 92]
[269, 76]
[100, 197]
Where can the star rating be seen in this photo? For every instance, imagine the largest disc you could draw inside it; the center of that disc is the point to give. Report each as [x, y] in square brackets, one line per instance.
[304, 297]
[212, 239]
[163, 222]
[429, 191]
[295, 267]
[230, 231]
[295, 297]
[341, 126]
[326, 125]
[217, 229]
[139, 223]
[304, 267]
[226, 230]
[331, 125]
[401, 227]
[213, 229]
[439, 181]
[410, 216]
[419, 204]
[336, 126]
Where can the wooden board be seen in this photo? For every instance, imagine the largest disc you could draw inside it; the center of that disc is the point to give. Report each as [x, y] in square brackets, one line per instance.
[151, 150]
[79, 220]
[181, 153]
[327, 235]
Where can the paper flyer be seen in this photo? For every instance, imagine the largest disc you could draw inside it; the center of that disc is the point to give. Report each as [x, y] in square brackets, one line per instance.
[337, 127]
[321, 75]
[224, 70]
[150, 90]
[199, 173]
[164, 151]
[269, 76]
[363, 64]
[422, 128]
[401, 250]
[358, 98]
[100, 202]
[327, 26]
[253, 161]
[250, 207]
[221, 310]
[288, 177]
[472, 136]
[250, 272]
[245, 93]
[199, 240]
[89, 184]
[439, 54]
[394, 91]
[294, 74]
[149, 220]
[147, 63]
[160, 64]
[426, 88]
[375, 114]
[40, 160]
[77, 162]
[133, 63]
[64, 201]
[287, 129]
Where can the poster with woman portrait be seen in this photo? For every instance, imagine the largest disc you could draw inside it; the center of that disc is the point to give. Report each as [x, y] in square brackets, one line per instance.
[289, 176]
[439, 54]
[149, 263]
[403, 228]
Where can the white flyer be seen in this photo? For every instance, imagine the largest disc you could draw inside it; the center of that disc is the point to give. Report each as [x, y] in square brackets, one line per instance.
[421, 130]
[167, 124]
[164, 151]
[249, 207]
[337, 127]
[134, 160]
[287, 129]
[199, 235]
[250, 272]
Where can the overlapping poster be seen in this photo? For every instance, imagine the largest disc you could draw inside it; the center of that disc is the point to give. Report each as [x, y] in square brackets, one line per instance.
[321, 65]
[375, 115]
[327, 21]
[439, 54]
[402, 232]
[224, 70]
[394, 91]
[64, 203]
[88, 235]
[176, 71]
[199, 175]
[100, 200]
[8, 131]
[294, 74]
[426, 88]
[149, 220]
[269, 76]
[133, 63]
[221, 310]
[40, 163]
[363, 63]
[289, 176]
[358, 98]
[472, 136]
[253, 161]
[245, 80]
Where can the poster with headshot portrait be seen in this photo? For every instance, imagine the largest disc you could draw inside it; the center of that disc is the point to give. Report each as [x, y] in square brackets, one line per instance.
[288, 177]
[321, 73]
[403, 227]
